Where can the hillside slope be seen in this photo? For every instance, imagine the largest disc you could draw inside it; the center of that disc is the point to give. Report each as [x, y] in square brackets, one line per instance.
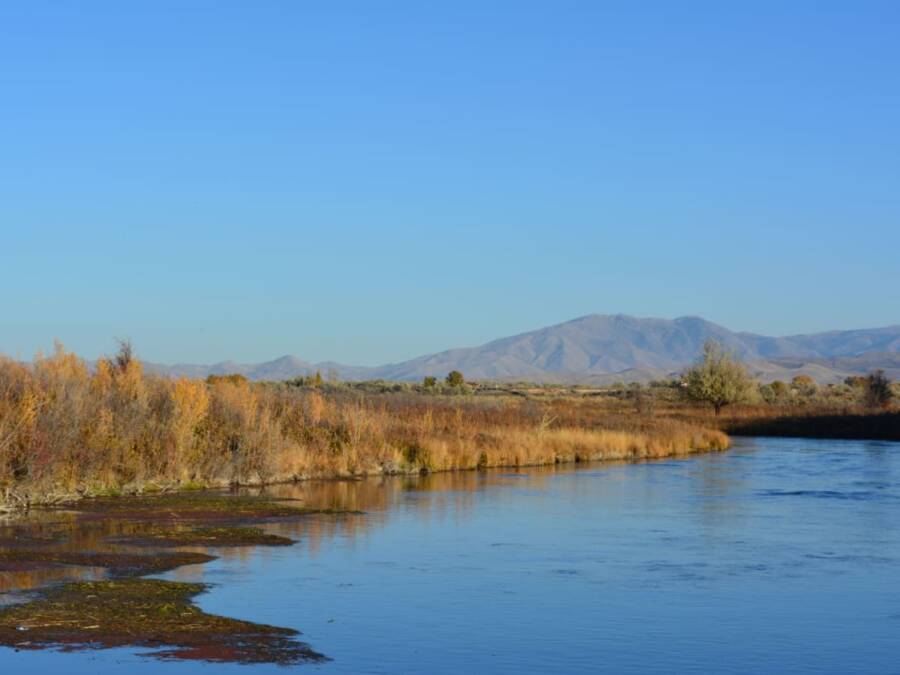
[604, 348]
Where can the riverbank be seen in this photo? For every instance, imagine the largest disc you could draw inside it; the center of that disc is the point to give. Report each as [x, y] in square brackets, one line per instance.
[523, 448]
[846, 425]
[67, 432]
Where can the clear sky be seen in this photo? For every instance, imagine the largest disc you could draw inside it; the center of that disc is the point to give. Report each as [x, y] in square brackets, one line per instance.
[370, 181]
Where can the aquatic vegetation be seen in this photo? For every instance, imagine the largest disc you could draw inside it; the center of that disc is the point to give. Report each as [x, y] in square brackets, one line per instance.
[208, 536]
[115, 540]
[147, 613]
[118, 564]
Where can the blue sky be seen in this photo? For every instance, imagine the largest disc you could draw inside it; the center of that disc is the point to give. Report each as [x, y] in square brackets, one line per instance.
[371, 181]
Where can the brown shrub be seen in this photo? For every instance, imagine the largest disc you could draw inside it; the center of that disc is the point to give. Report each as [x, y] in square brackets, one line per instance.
[65, 430]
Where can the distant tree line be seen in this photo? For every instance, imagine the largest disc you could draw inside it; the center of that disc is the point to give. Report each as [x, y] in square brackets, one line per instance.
[719, 379]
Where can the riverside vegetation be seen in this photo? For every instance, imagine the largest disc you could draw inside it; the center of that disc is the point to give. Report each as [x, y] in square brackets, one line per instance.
[68, 431]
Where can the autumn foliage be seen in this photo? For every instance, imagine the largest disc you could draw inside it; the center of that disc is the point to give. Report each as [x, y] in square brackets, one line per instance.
[67, 430]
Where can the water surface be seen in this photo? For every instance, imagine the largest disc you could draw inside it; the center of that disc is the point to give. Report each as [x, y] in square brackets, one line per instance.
[780, 555]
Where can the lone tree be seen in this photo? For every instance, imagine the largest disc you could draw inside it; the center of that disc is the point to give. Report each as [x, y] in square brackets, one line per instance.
[718, 378]
[878, 390]
[455, 378]
[430, 382]
[125, 355]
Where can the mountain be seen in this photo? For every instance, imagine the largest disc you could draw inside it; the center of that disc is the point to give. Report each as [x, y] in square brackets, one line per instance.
[605, 348]
[283, 368]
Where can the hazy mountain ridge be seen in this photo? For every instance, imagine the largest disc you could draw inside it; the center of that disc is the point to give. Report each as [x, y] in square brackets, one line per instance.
[605, 348]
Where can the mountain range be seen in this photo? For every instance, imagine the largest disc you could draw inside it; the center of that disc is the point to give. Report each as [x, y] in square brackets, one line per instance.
[600, 349]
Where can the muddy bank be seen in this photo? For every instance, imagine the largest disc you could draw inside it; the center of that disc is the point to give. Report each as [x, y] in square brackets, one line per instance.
[145, 613]
[122, 540]
[116, 564]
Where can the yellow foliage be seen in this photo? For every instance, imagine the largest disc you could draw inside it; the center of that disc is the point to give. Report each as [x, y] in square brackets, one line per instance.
[64, 429]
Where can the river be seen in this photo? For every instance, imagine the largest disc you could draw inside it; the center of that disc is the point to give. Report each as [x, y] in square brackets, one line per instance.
[780, 555]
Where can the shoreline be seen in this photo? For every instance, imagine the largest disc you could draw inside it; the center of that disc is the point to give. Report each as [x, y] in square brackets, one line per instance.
[162, 532]
[713, 442]
[131, 539]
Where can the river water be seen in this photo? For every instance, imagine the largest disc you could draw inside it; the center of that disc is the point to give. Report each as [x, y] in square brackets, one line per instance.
[780, 555]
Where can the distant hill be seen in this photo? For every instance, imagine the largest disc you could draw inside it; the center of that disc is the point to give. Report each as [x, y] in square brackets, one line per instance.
[606, 348]
[282, 368]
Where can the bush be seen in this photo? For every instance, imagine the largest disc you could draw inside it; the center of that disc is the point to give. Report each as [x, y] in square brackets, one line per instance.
[455, 379]
[855, 381]
[878, 392]
[233, 378]
[641, 398]
[66, 430]
[804, 385]
[774, 392]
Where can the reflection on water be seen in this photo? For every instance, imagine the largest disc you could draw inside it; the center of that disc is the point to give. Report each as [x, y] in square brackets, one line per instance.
[778, 556]
[13, 581]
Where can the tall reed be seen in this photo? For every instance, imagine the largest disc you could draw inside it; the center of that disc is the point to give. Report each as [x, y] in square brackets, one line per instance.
[67, 431]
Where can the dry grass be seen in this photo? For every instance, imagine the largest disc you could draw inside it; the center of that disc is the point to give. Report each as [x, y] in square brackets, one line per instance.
[67, 431]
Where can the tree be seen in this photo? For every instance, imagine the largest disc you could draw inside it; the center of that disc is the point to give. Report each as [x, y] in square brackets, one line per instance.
[718, 378]
[430, 382]
[774, 392]
[855, 381]
[780, 388]
[805, 385]
[878, 390]
[125, 355]
[455, 378]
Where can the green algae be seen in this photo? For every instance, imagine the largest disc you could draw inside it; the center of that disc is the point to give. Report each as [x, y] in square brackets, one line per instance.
[222, 536]
[117, 564]
[125, 610]
[148, 613]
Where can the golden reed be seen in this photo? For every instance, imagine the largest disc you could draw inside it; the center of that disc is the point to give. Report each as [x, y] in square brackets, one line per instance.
[68, 431]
